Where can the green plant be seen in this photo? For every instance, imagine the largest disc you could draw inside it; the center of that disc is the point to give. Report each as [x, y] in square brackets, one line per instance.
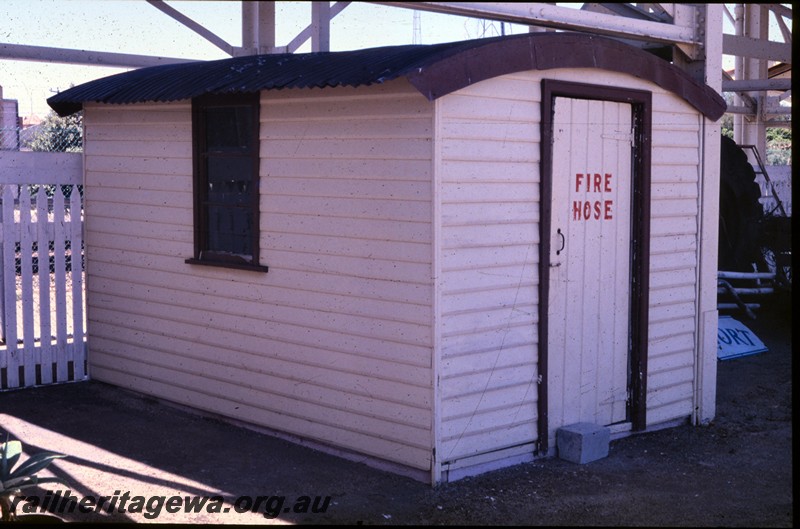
[57, 134]
[14, 480]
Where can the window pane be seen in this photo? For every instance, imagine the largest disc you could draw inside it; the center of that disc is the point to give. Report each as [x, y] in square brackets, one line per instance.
[229, 230]
[226, 178]
[230, 180]
[229, 128]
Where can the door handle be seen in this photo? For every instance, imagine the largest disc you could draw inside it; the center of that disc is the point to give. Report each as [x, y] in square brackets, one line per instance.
[563, 242]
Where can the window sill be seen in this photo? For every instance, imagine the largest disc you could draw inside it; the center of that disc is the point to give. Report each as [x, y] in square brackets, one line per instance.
[228, 264]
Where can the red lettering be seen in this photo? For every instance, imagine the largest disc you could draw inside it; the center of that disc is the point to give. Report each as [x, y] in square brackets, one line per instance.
[586, 210]
[597, 181]
[576, 210]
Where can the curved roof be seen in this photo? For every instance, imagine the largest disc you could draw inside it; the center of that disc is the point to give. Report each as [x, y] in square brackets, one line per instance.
[434, 69]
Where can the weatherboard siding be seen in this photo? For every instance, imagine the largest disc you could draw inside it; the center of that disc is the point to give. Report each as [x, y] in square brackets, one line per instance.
[336, 343]
[674, 257]
[674, 247]
[489, 136]
[333, 344]
[490, 208]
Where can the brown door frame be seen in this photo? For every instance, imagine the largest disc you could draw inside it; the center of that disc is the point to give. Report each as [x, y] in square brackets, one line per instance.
[641, 103]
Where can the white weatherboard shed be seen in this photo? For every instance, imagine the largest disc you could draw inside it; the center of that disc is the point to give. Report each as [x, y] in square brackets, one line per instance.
[459, 248]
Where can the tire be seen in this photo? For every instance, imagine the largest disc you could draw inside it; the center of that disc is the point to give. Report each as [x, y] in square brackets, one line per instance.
[740, 212]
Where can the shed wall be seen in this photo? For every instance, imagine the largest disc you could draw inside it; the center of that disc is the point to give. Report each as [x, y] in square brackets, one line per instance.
[674, 258]
[489, 280]
[334, 343]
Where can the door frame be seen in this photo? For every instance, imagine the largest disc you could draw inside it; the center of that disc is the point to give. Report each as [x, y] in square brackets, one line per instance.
[641, 104]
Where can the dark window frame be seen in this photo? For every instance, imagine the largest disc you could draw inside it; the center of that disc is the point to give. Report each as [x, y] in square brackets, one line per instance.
[203, 255]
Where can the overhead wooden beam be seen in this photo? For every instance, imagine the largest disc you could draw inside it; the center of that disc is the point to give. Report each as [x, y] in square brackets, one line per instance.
[756, 48]
[258, 28]
[194, 26]
[547, 15]
[24, 52]
[780, 10]
[321, 26]
[769, 111]
[785, 31]
[740, 109]
[658, 10]
[626, 10]
[308, 32]
[728, 14]
[249, 33]
[756, 85]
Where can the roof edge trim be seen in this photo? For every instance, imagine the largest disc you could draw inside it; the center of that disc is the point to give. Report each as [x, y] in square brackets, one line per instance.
[433, 69]
[545, 51]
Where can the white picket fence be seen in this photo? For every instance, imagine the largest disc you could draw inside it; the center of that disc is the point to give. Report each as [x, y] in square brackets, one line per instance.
[42, 295]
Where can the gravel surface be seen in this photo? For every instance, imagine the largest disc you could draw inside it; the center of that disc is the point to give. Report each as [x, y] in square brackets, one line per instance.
[737, 471]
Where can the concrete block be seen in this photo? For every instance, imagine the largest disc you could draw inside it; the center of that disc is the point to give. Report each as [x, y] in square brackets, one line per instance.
[583, 442]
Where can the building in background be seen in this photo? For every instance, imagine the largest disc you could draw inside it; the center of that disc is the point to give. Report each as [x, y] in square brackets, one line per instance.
[9, 123]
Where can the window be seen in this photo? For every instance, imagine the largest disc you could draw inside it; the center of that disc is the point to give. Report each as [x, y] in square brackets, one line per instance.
[226, 182]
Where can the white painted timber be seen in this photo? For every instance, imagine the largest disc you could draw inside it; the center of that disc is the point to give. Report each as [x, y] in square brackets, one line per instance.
[589, 310]
[41, 295]
[674, 251]
[489, 262]
[400, 310]
[333, 344]
[489, 239]
[38, 167]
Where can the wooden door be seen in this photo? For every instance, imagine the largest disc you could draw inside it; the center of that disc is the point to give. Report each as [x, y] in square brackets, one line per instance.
[589, 307]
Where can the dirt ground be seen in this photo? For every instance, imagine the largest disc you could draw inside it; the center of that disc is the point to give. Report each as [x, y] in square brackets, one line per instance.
[735, 472]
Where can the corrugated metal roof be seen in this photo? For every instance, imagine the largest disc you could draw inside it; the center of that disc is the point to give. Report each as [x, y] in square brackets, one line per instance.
[435, 69]
[172, 82]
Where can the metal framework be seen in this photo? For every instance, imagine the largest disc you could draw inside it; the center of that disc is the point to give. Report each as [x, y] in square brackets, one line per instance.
[679, 25]
[758, 89]
[691, 34]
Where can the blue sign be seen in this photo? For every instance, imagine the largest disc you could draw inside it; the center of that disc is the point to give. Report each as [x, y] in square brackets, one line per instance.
[734, 339]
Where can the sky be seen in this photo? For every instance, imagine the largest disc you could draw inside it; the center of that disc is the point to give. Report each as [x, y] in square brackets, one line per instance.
[133, 26]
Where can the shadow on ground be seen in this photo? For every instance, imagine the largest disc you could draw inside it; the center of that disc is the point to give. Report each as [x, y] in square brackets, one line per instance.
[735, 472]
